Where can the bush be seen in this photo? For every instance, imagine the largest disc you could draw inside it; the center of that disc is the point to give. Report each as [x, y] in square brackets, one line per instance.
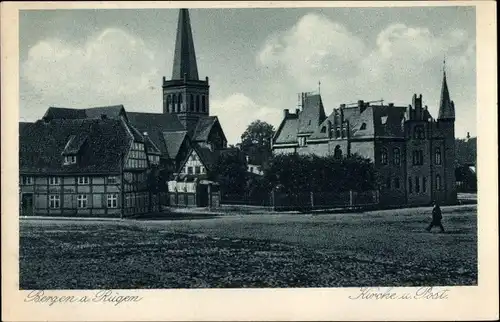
[294, 173]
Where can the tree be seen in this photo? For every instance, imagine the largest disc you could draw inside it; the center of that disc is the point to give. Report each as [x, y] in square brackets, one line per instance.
[303, 173]
[230, 171]
[256, 140]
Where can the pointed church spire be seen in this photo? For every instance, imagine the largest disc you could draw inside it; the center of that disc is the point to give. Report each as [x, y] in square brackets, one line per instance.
[446, 105]
[184, 56]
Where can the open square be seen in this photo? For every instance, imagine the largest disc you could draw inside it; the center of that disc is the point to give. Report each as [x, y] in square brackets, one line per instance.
[378, 248]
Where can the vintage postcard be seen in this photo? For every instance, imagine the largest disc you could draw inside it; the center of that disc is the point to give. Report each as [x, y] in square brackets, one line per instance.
[249, 161]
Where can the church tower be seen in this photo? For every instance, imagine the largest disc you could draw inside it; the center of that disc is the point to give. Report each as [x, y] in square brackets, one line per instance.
[185, 95]
[446, 126]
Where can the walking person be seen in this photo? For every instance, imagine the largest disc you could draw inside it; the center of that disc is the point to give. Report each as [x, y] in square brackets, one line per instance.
[436, 218]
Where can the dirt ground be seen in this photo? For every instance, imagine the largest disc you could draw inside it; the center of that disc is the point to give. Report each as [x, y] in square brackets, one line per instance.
[379, 248]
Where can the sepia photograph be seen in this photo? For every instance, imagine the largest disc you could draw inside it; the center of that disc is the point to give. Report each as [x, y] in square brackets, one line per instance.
[247, 148]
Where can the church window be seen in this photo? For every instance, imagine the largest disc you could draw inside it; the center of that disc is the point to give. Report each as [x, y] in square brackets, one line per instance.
[437, 156]
[180, 103]
[418, 132]
[337, 132]
[417, 184]
[344, 131]
[337, 152]
[438, 182]
[363, 126]
[203, 104]
[410, 185]
[418, 157]
[174, 103]
[424, 184]
[197, 103]
[191, 103]
[397, 156]
[383, 156]
[323, 129]
[169, 103]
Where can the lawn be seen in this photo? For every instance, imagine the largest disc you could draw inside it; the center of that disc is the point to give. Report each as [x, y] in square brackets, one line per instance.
[381, 248]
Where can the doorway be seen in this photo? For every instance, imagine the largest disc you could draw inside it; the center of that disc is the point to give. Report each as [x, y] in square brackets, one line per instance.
[27, 204]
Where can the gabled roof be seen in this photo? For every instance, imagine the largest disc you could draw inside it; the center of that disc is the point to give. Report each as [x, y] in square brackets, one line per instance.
[287, 131]
[111, 112]
[204, 127]
[41, 146]
[156, 124]
[312, 114]
[173, 141]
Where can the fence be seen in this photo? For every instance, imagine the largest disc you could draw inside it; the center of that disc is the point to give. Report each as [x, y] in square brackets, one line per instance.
[305, 200]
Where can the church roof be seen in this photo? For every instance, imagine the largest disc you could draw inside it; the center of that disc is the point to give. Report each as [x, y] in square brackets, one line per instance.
[446, 105]
[184, 55]
[173, 141]
[203, 127]
[42, 144]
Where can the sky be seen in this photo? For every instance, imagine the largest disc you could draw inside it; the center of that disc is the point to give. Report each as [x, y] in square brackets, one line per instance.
[257, 60]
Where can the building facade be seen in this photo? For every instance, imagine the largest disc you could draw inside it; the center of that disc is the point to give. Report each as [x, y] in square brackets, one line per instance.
[85, 166]
[413, 153]
[101, 161]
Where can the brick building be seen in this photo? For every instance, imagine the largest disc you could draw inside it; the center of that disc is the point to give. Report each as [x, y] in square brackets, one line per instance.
[413, 152]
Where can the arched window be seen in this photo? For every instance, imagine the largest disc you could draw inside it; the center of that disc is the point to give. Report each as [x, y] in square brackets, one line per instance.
[337, 132]
[191, 103]
[397, 156]
[410, 185]
[337, 153]
[174, 103]
[438, 182]
[417, 184]
[383, 156]
[363, 126]
[396, 183]
[323, 129]
[169, 103]
[418, 132]
[437, 156]
[180, 102]
[197, 103]
[344, 131]
[203, 104]
[424, 184]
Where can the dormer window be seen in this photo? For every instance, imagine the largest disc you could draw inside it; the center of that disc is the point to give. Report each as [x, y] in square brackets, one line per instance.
[323, 129]
[383, 119]
[69, 159]
[363, 126]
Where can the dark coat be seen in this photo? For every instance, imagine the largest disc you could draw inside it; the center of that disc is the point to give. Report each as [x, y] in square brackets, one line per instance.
[436, 214]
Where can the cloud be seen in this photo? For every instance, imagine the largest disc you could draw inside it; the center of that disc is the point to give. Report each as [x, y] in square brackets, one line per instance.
[312, 46]
[237, 111]
[112, 68]
[400, 61]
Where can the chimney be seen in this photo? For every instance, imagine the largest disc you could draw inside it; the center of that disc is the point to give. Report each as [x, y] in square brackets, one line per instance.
[468, 137]
[185, 77]
[297, 111]
[361, 106]
[286, 113]
[342, 105]
[391, 104]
